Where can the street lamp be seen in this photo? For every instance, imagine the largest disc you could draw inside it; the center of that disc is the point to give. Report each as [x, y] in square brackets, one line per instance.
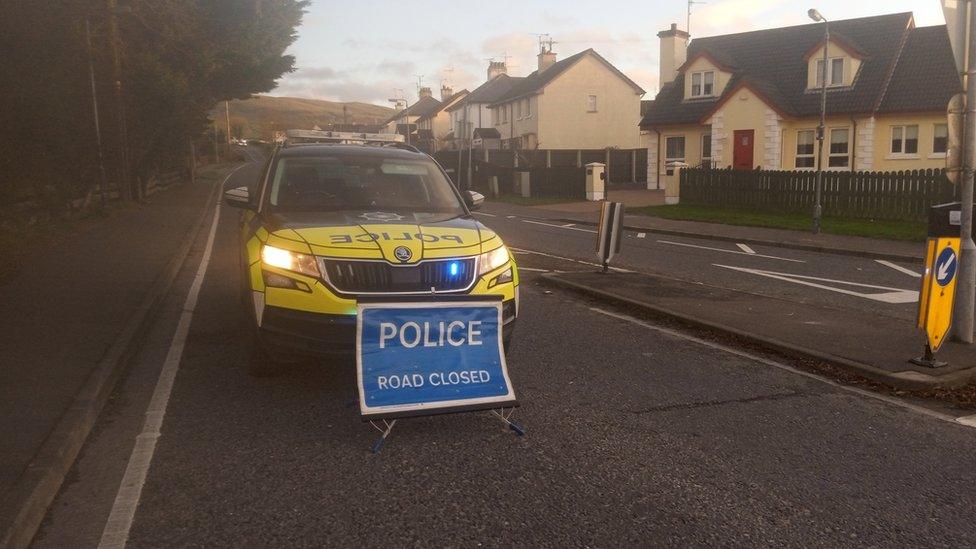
[821, 129]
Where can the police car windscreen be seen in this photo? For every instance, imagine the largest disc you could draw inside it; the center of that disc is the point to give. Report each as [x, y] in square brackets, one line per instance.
[334, 183]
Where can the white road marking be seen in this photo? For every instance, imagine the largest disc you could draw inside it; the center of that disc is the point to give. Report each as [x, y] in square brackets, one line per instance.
[969, 421]
[641, 235]
[509, 217]
[753, 254]
[567, 225]
[532, 270]
[745, 248]
[893, 295]
[581, 262]
[898, 268]
[486, 214]
[559, 226]
[116, 532]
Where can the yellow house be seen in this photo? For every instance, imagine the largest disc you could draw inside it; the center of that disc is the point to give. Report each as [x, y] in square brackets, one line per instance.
[752, 100]
[581, 102]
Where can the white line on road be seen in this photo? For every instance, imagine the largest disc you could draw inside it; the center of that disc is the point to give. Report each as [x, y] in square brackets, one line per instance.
[898, 268]
[893, 295]
[524, 251]
[567, 225]
[753, 254]
[969, 421]
[116, 532]
[509, 217]
[745, 248]
[559, 226]
[641, 235]
[486, 214]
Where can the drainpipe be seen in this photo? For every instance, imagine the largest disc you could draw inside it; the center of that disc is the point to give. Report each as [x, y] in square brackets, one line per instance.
[853, 151]
[657, 160]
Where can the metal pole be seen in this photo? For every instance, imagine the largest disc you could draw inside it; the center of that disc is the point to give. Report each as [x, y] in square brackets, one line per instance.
[963, 314]
[103, 184]
[125, 190]
[821, 134]
[227, 117]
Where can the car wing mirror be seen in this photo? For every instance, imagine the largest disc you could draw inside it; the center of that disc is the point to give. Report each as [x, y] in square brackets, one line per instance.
[238, 198]
[475, 200]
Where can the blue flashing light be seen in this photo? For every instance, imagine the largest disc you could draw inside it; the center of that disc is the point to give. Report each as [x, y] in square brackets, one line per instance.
[454, 268]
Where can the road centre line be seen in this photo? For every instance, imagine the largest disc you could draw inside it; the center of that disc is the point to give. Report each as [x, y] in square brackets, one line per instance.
[567, 225]
[559, 226]
[968, 421]
[898, 268]
[745, 248]
[524, 251]
[486, 214]
[116, 531]
[753, 254]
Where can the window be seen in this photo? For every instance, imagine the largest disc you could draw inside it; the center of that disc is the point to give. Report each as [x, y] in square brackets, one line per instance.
[804, 149]
[836, 73]
[591, 103]
[904, 140]
[839, 148]
[518, 110]
[940, 139]
[674, 151]
[528, 107]
[706, 147]
[702, 83]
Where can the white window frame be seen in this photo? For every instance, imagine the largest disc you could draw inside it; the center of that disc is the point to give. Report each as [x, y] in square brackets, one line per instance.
[706, 137]
[892, 154]
[846, 155]
[701, 84]
[528, 107]
[935, 153]
[667, 159]
[830, 73]
[591, 103]
[813, 153]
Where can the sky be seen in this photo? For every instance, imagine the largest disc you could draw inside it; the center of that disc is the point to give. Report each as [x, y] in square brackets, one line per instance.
[372, 50]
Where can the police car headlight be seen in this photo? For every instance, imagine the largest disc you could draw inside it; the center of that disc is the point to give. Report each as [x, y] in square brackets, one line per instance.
[292, 261]
[492, 260]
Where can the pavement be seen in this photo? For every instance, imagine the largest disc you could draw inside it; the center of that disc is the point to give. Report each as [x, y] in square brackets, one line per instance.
[588, 213]
[71, 316]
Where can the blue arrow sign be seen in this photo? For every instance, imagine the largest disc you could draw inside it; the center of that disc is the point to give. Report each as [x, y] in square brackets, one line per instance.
[945, 267]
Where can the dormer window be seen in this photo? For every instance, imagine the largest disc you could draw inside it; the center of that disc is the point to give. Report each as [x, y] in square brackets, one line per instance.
[835, 72]
[702, 83]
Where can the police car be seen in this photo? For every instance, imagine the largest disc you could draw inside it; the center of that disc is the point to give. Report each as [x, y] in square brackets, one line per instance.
[337, 217]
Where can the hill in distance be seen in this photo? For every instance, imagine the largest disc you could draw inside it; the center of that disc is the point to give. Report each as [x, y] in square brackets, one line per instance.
[261, 115]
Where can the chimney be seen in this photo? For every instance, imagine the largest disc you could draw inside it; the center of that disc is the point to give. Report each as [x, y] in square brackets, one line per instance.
[547, 58]
[425, 92]
[674, 52]
[446, 91]
[496, 68]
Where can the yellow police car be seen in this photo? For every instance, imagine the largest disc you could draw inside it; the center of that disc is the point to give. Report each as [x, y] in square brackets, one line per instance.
[336, 218]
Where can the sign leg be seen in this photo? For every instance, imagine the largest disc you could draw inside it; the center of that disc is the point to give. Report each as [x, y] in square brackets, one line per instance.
[384, 432]
[507, 420]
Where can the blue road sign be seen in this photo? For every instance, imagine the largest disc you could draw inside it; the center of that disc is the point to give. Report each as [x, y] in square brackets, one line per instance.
[415, 358]
[946, 266]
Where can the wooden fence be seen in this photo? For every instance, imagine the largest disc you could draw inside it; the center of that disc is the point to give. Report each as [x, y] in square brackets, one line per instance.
[903, 195]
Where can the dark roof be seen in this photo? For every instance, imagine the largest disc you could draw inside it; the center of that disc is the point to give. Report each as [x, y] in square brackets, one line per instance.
[422, 106]
[925, 78]
[534, 82]
[431, 112]
[489, 92]
[487, 133]
[771, 62]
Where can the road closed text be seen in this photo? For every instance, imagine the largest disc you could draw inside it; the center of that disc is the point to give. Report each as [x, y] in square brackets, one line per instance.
[435, 379]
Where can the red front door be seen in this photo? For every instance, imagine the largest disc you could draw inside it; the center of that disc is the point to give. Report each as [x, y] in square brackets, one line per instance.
[742, 150]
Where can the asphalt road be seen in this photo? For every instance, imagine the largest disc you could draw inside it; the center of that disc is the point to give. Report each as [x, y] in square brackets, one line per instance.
[634, 436]
[883, 288]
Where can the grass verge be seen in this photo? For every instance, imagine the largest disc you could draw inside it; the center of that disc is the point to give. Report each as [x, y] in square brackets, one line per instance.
[894, 230]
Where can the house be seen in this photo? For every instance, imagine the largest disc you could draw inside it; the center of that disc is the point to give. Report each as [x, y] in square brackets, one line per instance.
[471, 117]
[404, 121]
[434, 122]
[752, 100]
[581, 102]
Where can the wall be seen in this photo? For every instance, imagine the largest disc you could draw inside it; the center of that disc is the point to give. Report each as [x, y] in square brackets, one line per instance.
[478, 116]
[859, 154]
[743, 111]
[885, 161]
[564, 122]
[702, 64]
[656, 151]
[526, 126]
[851, 65]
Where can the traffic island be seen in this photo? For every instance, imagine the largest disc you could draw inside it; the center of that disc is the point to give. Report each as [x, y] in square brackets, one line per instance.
[872, 346]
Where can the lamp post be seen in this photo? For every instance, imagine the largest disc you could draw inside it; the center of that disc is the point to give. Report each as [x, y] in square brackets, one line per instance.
[822, 128]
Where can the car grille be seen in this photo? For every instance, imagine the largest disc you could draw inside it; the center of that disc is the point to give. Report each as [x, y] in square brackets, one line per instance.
[365, 277]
